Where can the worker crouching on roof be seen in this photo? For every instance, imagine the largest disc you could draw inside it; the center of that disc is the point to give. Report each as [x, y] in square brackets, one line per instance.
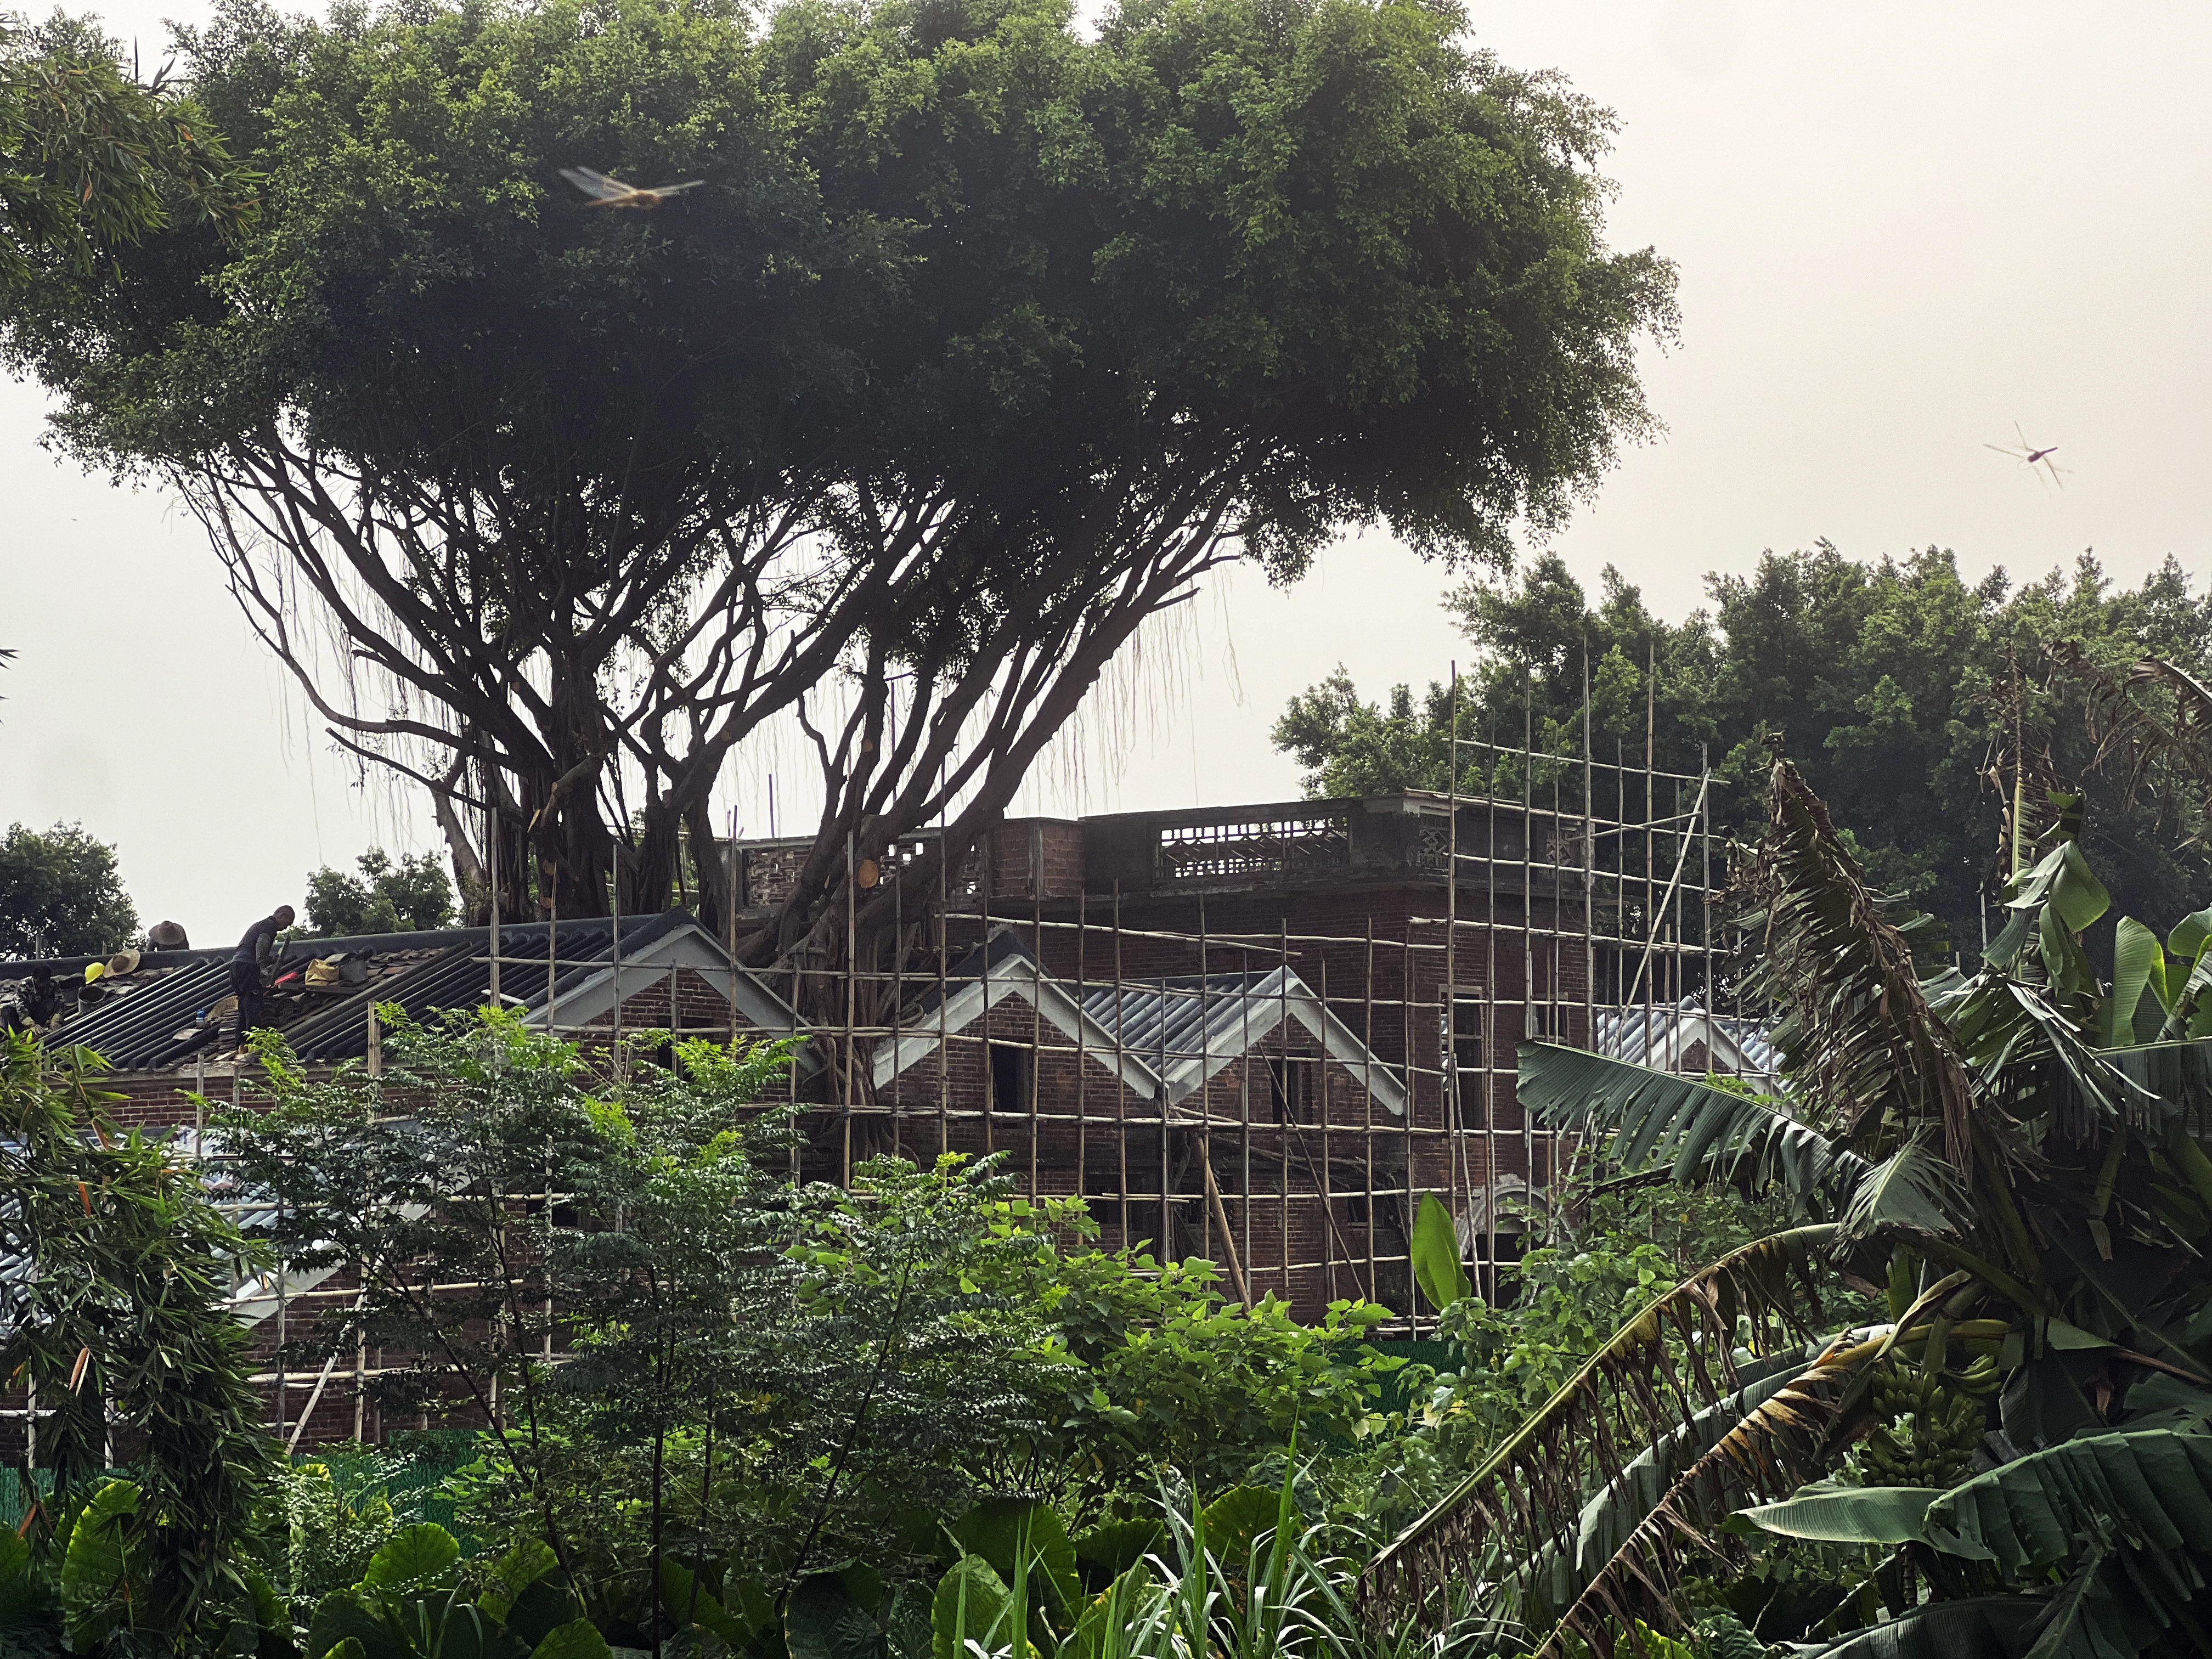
[249, 968]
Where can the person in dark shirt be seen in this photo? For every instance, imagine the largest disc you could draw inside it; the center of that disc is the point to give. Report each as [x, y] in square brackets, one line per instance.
[249, 966]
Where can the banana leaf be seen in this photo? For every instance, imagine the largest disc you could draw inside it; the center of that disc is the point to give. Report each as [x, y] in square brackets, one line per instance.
[2041, 1511]
[1836, 1513]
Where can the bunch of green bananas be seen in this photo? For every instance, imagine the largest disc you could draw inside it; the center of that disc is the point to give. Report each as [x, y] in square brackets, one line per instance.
[1926, 1432]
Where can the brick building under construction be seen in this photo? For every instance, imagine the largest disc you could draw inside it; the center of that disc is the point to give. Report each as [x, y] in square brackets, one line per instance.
[1257, 1034]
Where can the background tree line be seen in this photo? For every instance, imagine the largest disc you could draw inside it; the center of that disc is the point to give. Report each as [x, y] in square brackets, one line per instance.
[1907, 692]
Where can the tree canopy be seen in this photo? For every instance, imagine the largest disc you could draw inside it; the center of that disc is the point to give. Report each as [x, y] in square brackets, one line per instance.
[91, 159]
[980, 342]
[61, 895]
[384, 898]
[1901, 684]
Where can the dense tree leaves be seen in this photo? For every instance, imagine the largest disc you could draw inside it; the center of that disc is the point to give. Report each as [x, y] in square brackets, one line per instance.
[115, 1312]
[91, 159]
[61, 895]
[981, 341]
[1892, 682]
[384, 898]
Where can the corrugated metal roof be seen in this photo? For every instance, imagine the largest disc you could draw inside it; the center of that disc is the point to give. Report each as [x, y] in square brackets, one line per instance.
[1187, 1016]
[1167, 1036]
[152, 1019]
[1662, 1036]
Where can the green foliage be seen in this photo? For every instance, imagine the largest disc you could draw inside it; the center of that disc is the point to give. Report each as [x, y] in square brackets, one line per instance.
[1175, 1376]
[335, 1514]
[411, 896]
[124, 1308]
[1892, 680]
[762, 1386]
[92, 160]
[1437, 1268]
[61, 895]
[2015, 1458]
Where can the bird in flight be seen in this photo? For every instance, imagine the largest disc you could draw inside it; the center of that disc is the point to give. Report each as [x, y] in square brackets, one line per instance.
[613, 193]
[2037, 461]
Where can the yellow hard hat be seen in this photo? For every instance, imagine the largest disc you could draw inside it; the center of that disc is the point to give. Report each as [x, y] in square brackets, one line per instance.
[93, 970]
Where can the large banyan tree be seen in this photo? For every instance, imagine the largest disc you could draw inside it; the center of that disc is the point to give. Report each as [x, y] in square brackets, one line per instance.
[983, 337]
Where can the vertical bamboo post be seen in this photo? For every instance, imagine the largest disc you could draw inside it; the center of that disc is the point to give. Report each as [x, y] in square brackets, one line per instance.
[1651, 813]
[1527, 913]
[1486, 1019]
[896, 1018]
[491, 836]
[553, 951]
[1367, 1125]
[1329, 1238]
[1705, 881]
[852, 991]
[1082, 1031]
[614, 917]
[1035, 1079]
[1589, 869]
[1120, 1086]
[729, 920]
[1205, 1105]
[943, 996]
[1406, 974]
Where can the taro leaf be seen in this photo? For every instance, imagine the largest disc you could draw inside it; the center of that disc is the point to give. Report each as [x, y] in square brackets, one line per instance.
[906, 1632]
[1437, 1268]
[24, 1593]
[1123, 1600]
[1977, 1627]
[687, 1601]
[973, 1604]
[273, 1635]
[95, 1568]
[822, 1621]
[1724, 1635]
[342, 1617]
[577, 1640]
[514, 1572]
[1118, 1545]
[1236, 1521]
[866, 1584]
[543, 1607]
[413, 1557]
[2153, 1487]
[1834, 1514]
[996, 1526]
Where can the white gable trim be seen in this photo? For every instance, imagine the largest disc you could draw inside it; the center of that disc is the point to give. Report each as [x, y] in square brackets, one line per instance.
[1281, 994]
[1014, 976]
[686, 946]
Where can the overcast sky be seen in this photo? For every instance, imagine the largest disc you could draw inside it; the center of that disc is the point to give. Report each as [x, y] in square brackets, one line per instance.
[1901, 229]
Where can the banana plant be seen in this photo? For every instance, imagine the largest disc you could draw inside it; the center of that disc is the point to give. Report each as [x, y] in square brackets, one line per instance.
[415, 1602]
[2019, 1457]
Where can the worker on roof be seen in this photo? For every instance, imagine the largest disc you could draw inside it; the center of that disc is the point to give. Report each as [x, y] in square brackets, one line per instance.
[249, 968]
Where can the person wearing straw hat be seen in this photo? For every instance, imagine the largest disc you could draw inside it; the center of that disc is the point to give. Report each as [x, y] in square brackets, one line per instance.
[249, 966]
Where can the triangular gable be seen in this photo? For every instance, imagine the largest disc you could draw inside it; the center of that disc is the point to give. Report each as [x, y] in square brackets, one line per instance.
[1228, 1028]
[1014, 974]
